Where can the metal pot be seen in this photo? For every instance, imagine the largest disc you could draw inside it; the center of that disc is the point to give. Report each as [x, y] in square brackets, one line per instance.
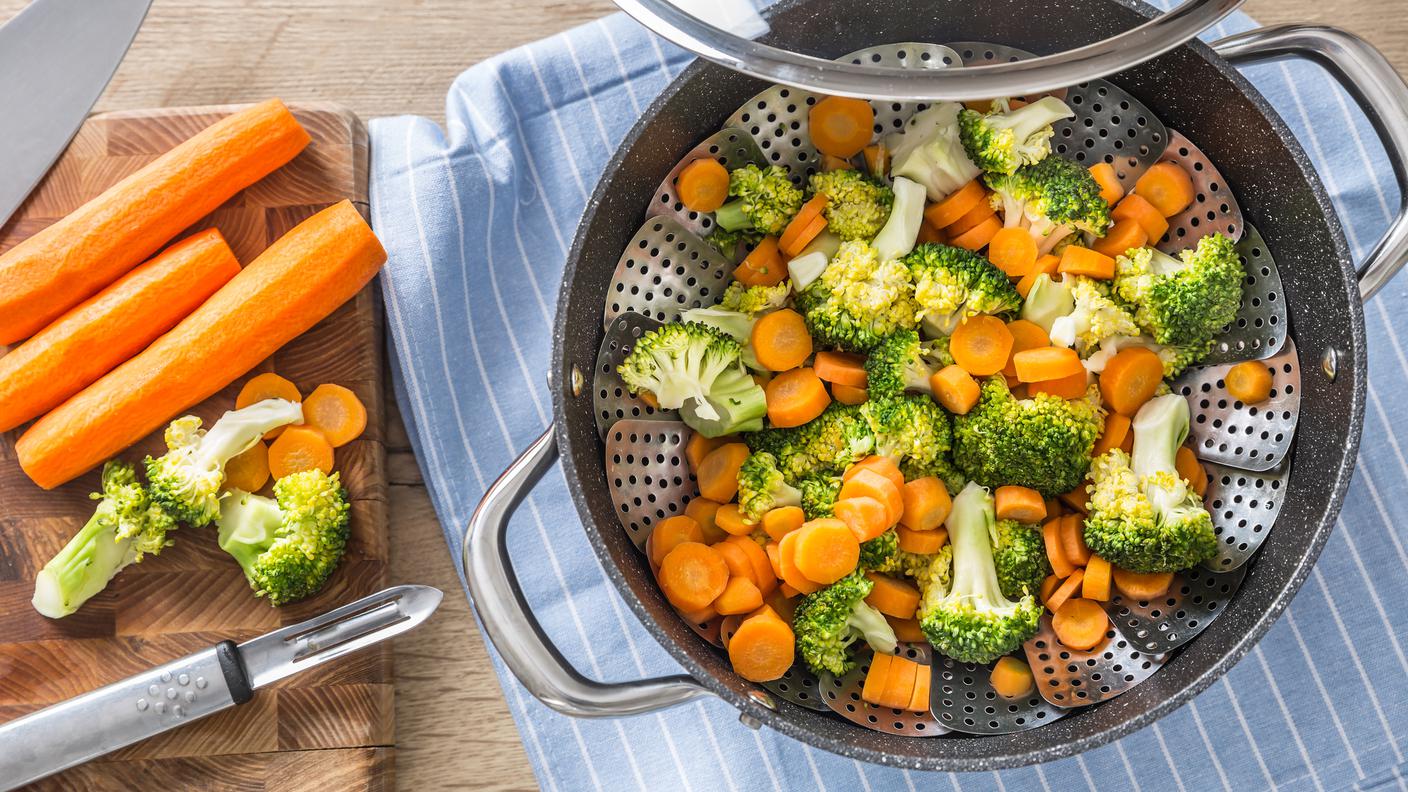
[1194, 87]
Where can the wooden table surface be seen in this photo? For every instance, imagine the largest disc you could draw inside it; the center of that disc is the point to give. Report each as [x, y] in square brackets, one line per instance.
[386, 57]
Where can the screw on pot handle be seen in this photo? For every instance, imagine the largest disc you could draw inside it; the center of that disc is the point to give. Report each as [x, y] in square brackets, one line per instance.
[510, 624]
[1380, 92]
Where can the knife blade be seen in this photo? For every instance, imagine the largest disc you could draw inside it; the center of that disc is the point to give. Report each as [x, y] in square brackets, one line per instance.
[56, 57]
[201, 684]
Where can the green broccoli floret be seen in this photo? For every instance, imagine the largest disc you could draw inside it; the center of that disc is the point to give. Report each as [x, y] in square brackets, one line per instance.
[125, 526]
[1095, 317]
[829, 621]
[973, 622]
[764, 200]
[1143, 516]
[858, 300]
[1019, 554]
[879, 552]
[933, 574]
[288, 546]
[698, 370]
[857, 207]
[952, 284]
[1184, 301]
[914, 431]
[762, 488]
[187, 480]
[904, 363]
[1043, 442]
[754, 300]
[833, 440]
[1002, 140]
[819, 495]
[1051, 200]
[928, 151]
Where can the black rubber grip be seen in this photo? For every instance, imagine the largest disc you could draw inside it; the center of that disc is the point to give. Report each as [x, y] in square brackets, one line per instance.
[236, 677]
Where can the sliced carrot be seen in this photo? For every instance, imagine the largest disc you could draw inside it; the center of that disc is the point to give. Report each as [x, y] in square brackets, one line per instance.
[740, 595]
[1055, 553]
[796, 397]
[1046, 265]
[1013, 251]
[1135, 208]
[981, 345]
[866, 517]
[1121, 237]
[786, 561]
[1249, 382]
[885, 466]
[775, 559]
[1191, 470]
[739, 564]
[877, 677]
[1073, 539]
[762, 649]
[841, 126]
[271, 386]
[1096, 585]
[825, 550]
[830, 163]
[926, 504]
[1025, 335]
[248, 470]
[786, 588]
[848, 395]
[975, 238]
[1053, 508]
[877, 160]
[1142, 586]
[672, 532]
[1080, 624]
[1131, 378]
[699, 447]
[919, 700]
[1046, 363]
[1128, 445]
[1069, 387]
[892, 597]
[1116, 427]
[921, 542]
[702, 185]
[1078, 499]
[1066, 590]
[1110, 188]
[762, 266]
[692, 576]
[866, 483]
[784, 604]
[704, 512]
[299, 449]
[779, 522]
[336, 412]
[955, 389]
[699, 617]
[1167, 186]
[1023, 504]
[1011, 678]
[781, 341]
[730, 520]
[649, 398]
[969, 220]
[842, 368]
[929, 234]
[1048, 587]
[956, 204]
[906, 630]
[718, 472]
[1078, 260]
[899, 688]
[804, 226]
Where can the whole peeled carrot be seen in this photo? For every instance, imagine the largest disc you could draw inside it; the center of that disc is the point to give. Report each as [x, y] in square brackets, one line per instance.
[111, 326]
[69, 261]
[290, 287]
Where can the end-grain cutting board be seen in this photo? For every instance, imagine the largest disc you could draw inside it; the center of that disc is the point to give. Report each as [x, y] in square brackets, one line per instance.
[327, 729]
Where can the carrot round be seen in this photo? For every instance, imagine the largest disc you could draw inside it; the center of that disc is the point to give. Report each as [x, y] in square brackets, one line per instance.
[1013, 251]
[1048, 587]
[1023, 504]
[699, 447]
[1110, 188]
[1116, 427]
[1073, 539]
[981, 345]
[885, 466]
[1142, 586]
[956, 204]
[730, 520]
[841, 126]
[787, 562]
[758, 558]
[94, 337]
[702, 185]
[738, 563]
[740, 595]
[1025, 335]
[866, 517]
[899, 684]
[825, 551]
[877, 676]
[699, 617]
[1188, 466]
[692, 576]
[336, 412]
[955, 389]
[1078, 260]
[1135, 208]
[841, 368]
[804, 226]
[781, 341]
[1046, 265]
[290, 287]
[1080, 624]
[1047, 363]
[762, 266]
[672, 532]
[268, 385]
[919, 700]
[718, 472]
[249, 469]
[762, 649]
[779, 522]
[1096, 584]
[782, 603]
[1066, 590]
[1072, 386]
[848, 395]
[926, 504]
[975, 238]
[1167, 186]
[892, 597]
[906, 630]
[1121, 237]
[1011, 678]
[795, 397]
[1249, 382]
[704, 511]
[867, 483]
[971, 219]
[929, 234]
[921, 542]
[1055, 552]
[1131, 378]
[68, 262]
[298, 449]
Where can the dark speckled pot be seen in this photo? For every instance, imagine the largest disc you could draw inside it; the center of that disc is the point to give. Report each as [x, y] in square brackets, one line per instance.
[1192, 90]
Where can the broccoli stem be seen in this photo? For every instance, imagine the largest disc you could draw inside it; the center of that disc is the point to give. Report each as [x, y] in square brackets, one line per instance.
[1027, 121]
[83, 568]
[732, 216]
[237, 430]
[249, 525]
[1160, 427]
[970, 525]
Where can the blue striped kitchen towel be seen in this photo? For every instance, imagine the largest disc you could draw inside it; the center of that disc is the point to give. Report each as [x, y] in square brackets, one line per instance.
[478, 218]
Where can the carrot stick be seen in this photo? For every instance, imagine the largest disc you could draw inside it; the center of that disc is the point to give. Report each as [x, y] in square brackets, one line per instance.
[841, 126]
[1116, 427]
[1096, 585]
[906, 630]
[1080, 624]
[804, 226]
[885, 466]
[1110, 188]
[692, 576]
[1249, 382]
[779, 522]
[848, 395]
[300, 279]
[825, 550]
[1055, 553]
[1025, 335]
[975, 238]
[866, 517]
[981, 345]
[110, 327]
[780, 340]
[730, 520]
[795, 397]
[762, 567]
[740, 595]
[970, 219]
[1023, 504]
[704, 512]
[249, 469]
[1046, 363]
[59, 267]
[1013, 251]
[1167, 186]
[298, 449]
[877, 160]
[1079, 260]
[921, 542]
[671, 532]
[1011, 678]
[1066, 590]
[787, 562]
[892, 597]
[1191, 470]
[336, 412]
[1048, 587]
[1142, 587]
[718, 473]
[866, 483]
[1073, 539]
[699, 447]
[955, 389]
[702, 185]
[1078, 499]
[762, 266]
[1068, 387]
[843, 368]
[762, 649]
[1131, 378]
[1135, 208]
[268, 386]
[956, 204]
[1121, 237]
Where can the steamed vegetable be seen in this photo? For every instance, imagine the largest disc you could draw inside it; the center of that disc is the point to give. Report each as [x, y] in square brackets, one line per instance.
[288, 546]
[698, 368]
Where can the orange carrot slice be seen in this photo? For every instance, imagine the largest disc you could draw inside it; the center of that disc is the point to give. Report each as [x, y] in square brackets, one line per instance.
[248, 470]
[1121, 237]
[804, 226]
[1142, 586]
[921, 542]
[892, 597]
[336, 412]
[1130, 379]
[825, 551]
[702, 185]
[1023, 504]
[1078, 260]
[975, 238]
[1055, 552]
[956, 204]
[1249, 382]
[1013, 251]
[841, 126]
[981, 345]
[1110, 188]
[1167, 186]
[780, 340]
[672, 532]
[739, 596]
[718, 473]
[762, 266]
[1096, 585]
[848, 395]
[866, 517]
[842, 368]
[1046, 363]
[762, 649]
[1080, 624]
[692, 576]
[955, 389]
[866, 483]
[926, 504]
[779, 522]
[885, 466]
[1135, 208]
[796, 397]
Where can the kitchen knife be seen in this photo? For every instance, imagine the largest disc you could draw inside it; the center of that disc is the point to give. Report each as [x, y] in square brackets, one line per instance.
[56, 57]
[198, 685]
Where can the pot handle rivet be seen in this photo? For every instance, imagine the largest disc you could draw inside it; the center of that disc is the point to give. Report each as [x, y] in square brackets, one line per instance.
[1330, 363]
[577, 380]
[749, 721]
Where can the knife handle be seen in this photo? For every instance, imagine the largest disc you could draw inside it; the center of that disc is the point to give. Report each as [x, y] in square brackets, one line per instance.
[95, 723]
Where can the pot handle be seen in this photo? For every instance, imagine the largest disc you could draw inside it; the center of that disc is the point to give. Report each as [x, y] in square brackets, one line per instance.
[1380, 92]
[509, 622]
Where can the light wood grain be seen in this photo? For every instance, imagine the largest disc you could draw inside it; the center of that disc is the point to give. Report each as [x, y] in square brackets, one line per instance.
[383, 57]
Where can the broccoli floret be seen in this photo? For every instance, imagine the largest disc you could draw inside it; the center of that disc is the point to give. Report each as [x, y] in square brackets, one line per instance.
[1002, 140]
[913, 431]
[1043, 442]
[1051, 200]
[754, 300]
[933, 574]
[125, 526]
[879, 552]
[819, 495]
[288, 546]
[973, 622]
[697, 369]
[858, 300]
[1095, 317]
[762, 488]
[1019, 554]
[928, 151]
[856, 207]
[904, 363]
[764, 200]
[187, 480]
[832, 441]
[1048, 301]
[1143, 516]
[735, 324]
[1184, 301]
[829, 621]
[952, 284]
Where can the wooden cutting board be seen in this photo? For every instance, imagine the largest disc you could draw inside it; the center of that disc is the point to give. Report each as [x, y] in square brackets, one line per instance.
[331, 728]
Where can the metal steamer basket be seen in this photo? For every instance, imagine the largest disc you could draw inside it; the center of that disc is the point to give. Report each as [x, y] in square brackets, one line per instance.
[638, 260]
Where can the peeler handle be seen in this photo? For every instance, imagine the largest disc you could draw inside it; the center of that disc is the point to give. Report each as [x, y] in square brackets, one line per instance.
[1380, 92]
[509, 622]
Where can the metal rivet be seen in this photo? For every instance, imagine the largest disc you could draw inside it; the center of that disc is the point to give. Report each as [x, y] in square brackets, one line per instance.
[763, 699]
[749, 721]
[1330, 363]
[577, 380]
